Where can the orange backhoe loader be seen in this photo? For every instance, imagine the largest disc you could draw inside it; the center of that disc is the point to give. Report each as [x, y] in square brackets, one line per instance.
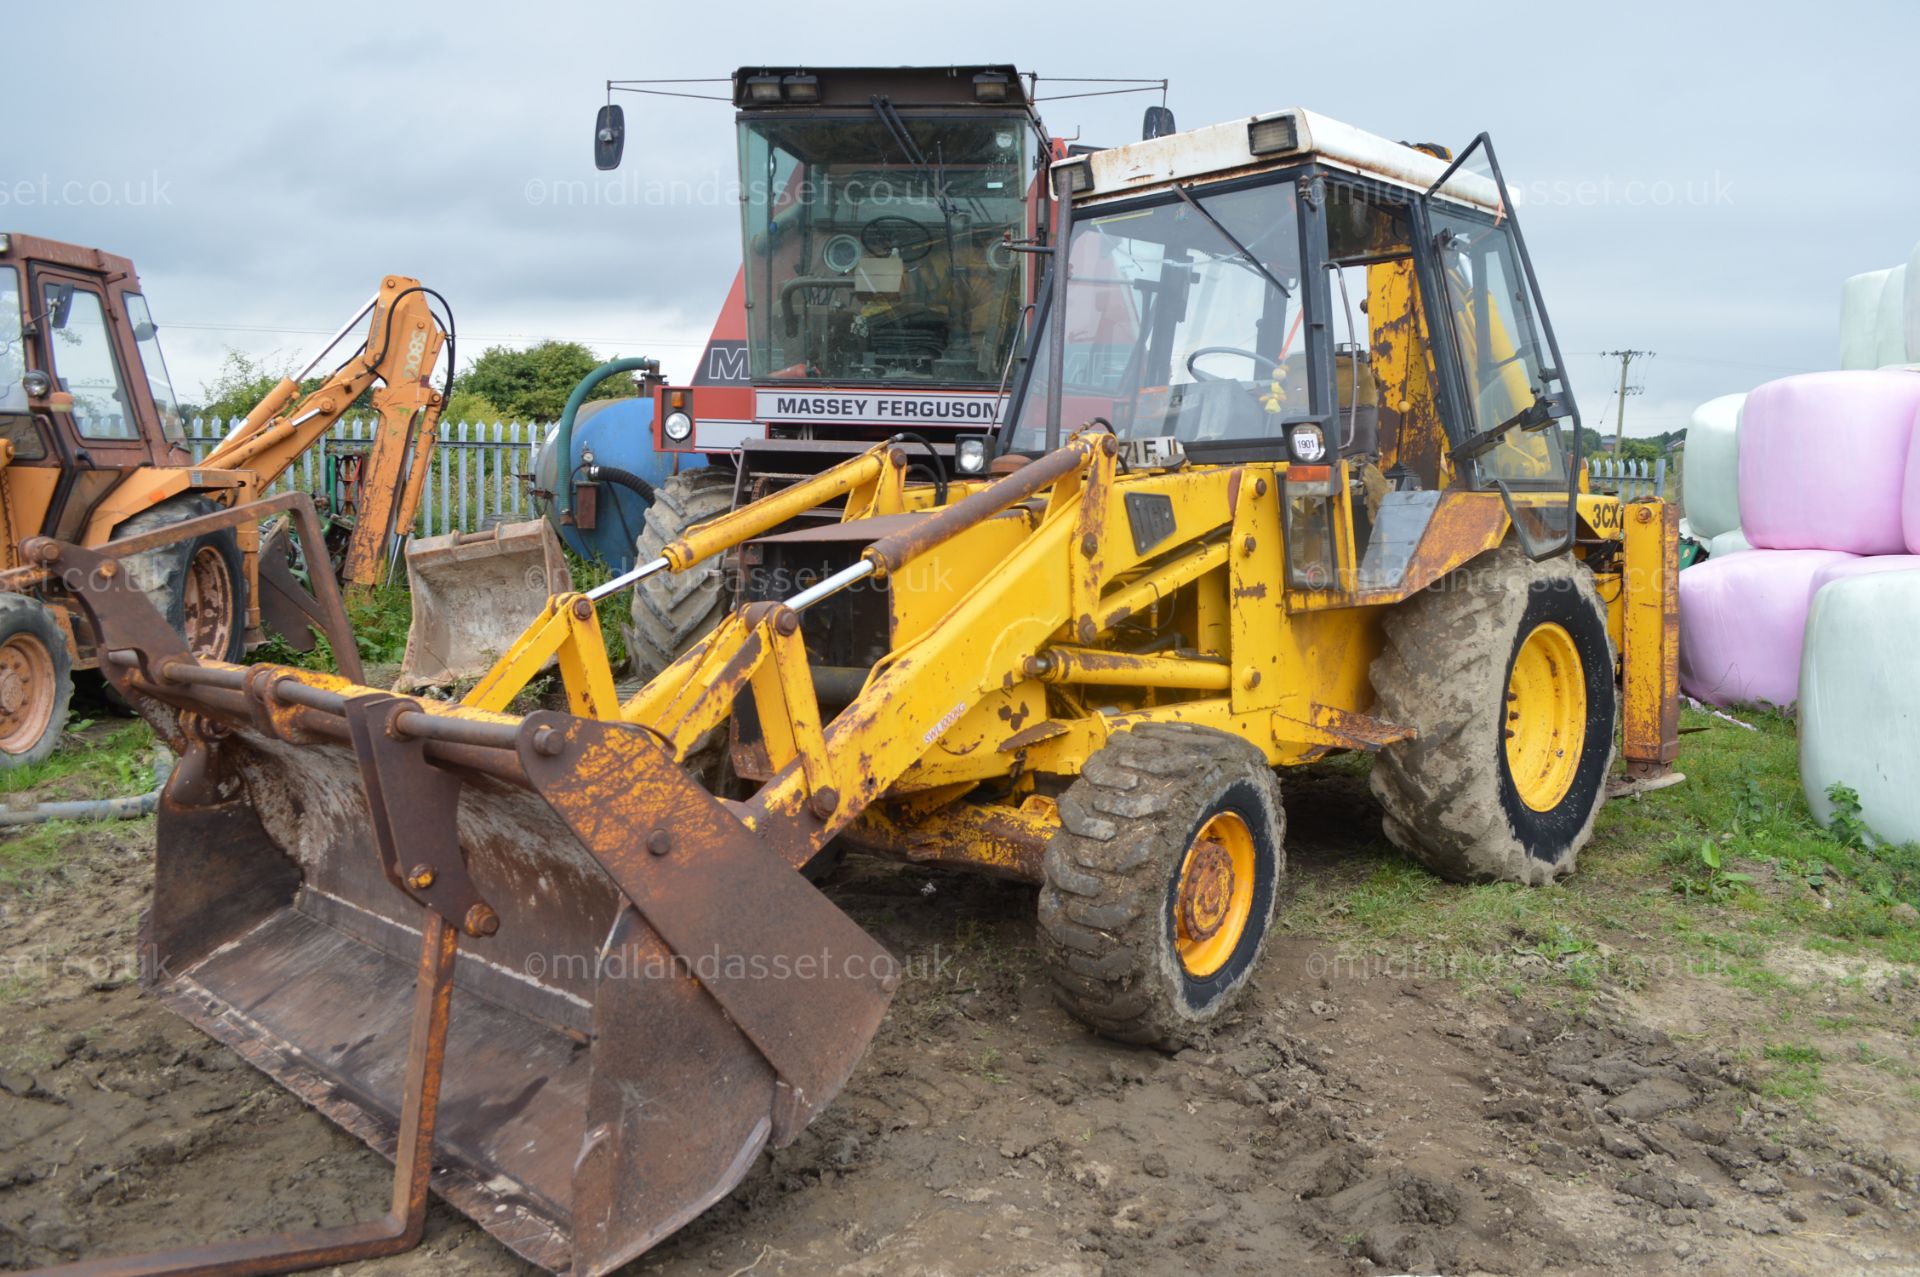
[92, 450]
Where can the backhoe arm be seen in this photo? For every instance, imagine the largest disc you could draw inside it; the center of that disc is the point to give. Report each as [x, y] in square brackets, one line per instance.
[403, 344]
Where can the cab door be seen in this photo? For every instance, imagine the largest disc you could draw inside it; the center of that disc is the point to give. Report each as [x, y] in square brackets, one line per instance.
[101, 440]
[1515, 426]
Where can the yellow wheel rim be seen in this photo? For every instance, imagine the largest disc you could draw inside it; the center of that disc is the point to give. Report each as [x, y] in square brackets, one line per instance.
[1214, 897]
[1546, 717]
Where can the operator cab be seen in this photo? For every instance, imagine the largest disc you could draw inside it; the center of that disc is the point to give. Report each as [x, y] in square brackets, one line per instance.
[1291, 288]
[85, 398]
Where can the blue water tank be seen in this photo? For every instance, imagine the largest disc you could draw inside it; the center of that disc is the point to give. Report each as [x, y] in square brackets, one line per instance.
[619, 433]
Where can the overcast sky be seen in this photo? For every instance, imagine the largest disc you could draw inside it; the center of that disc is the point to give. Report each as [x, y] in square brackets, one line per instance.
[1697, 179]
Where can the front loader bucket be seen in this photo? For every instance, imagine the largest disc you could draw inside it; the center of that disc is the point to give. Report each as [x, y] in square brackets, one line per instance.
[644, 994]
[472, 595]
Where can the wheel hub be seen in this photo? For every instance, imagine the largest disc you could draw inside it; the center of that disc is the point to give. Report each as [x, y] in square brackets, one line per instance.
[208, 604]
[1214, 896]
[1546, 715]
[26, 693]
[1206, 891]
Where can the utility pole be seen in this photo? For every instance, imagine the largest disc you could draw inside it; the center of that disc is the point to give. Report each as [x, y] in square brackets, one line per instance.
[1625, 357]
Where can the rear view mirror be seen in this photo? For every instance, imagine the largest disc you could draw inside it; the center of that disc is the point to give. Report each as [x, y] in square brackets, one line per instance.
[609, 137]
[1158, 123]
[59, 304]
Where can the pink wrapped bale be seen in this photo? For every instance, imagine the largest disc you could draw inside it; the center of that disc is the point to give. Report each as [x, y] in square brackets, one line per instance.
[1823, 462]
[1742, 620]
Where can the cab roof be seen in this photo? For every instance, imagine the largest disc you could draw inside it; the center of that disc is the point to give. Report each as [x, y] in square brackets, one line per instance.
[1289, 136]
[986, 85]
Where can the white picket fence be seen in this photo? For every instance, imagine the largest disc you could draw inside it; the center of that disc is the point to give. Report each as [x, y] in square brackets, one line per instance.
[475, 474]
[1627, 477]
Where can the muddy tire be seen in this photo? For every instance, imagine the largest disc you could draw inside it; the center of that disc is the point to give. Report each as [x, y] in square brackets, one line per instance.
[1159, 886]
[199, 586]
[1506, 672]
[672, 610]
[36, 681]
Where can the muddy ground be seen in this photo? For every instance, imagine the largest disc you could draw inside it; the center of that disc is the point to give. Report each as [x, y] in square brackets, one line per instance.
[1364, 1112]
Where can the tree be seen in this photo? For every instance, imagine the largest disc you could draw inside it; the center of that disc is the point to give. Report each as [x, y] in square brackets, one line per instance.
[242, 382]
[533, 384]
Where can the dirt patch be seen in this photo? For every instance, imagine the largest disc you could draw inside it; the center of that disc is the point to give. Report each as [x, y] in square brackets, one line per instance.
[1355, 1116]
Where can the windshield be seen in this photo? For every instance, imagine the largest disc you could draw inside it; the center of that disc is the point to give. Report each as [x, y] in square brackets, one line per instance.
[874, 252]
[1172, 330]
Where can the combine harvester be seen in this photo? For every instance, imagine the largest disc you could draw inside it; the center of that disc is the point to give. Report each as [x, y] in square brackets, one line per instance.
[1286, 477]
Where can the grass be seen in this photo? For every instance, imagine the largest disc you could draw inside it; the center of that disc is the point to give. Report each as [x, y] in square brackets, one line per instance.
[95, 759]
[379, 616]
[1715, 876]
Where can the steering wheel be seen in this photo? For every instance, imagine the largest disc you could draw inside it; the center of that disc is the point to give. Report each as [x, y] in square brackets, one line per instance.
[1259, 361]
[878, 240]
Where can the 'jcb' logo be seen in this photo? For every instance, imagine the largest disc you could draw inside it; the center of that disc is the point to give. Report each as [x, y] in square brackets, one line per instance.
[416, 352]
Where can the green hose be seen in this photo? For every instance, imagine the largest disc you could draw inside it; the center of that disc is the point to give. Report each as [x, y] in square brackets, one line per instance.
[563, 433]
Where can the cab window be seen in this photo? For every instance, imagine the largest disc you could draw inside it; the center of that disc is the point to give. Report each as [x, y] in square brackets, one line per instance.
[81, 349]
[1501, 351]
[154, 365]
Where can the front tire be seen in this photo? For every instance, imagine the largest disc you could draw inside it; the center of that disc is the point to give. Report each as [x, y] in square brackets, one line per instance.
[672, 611]
[1159, 886]
[36, 681]
[1505, 671]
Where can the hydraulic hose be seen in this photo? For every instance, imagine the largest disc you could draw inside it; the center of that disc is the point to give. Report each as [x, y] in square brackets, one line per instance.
[625, 478]
[563, 433]
[129, 808]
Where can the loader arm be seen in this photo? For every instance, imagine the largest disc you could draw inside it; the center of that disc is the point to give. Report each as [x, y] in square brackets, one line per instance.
[402, 346]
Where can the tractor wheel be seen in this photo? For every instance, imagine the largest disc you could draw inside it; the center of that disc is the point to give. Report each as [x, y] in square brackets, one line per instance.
[1505, 671]
[36, 681]
[1160, 883]
[672, 610]
[199, 586]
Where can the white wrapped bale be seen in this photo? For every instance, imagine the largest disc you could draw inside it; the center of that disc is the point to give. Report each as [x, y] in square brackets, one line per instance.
[1890, 326]
[1727, 543]
[1823, 461]
[1911, 318]
[1710, 480]
[1860, 319]
[1859, 701]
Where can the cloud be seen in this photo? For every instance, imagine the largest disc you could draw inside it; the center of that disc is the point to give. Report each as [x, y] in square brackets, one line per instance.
[303, 153]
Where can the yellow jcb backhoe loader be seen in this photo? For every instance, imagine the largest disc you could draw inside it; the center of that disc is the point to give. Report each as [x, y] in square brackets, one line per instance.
[92, 451]
[1294, 470]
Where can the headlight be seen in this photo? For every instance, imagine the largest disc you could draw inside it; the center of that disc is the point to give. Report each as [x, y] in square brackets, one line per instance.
[970, 456]
[1307, 443]
[678, 426]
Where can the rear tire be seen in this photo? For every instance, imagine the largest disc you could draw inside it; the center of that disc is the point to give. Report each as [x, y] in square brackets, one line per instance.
[1159, 886]
[1505, 670]
[673, 610]
[36, 681]
[198, 586]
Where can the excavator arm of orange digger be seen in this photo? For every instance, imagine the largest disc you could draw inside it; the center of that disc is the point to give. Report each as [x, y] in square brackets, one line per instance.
[397, 360]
